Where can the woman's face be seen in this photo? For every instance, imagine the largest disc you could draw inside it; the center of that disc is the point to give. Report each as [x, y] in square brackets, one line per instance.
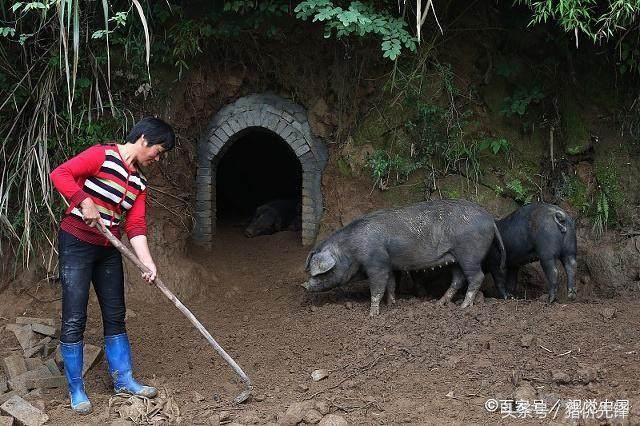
[149, 154]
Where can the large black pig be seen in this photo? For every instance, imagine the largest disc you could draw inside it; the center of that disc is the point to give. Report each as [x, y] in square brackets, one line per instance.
[425, 235]
[274, 216]
[537, 231]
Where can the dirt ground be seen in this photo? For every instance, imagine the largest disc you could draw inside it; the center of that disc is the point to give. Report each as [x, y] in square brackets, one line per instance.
[417, 363]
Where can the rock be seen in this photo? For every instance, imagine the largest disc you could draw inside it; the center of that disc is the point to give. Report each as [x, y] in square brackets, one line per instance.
[7, 396]
[302, 388]
[26, 337]
[312, 417]
[313, 308]
[560, 376]
[525, 392]
[14, 366]
[53, 367]
[46, 330]
[49, 348]
[33, 363]
[250, 418]
[24, 412]
[333, 420]
[31, 320]
[33, 395]
[39, 346]
[259, 398]
[214, 420]
[348, 305]
[527, 340]
[6, 421]
[586, 375]
[39, 404]
[20, 385]
[550, 399]
[197, 397]
[46, 382]
[320, 374]
[608, 313]
[322, 407]
[295, 413]
[224, 416]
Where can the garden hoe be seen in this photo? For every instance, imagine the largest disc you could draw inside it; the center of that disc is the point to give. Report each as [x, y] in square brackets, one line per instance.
[246, 394]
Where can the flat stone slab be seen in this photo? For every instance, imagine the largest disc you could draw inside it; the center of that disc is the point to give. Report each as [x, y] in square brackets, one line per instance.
[14, 366]
[25, 335]
[19, 384]
[28, 353]
[24, 412]
[53, 367]
[46, 382]
[33, 363]
[47, 330]
[32, 320]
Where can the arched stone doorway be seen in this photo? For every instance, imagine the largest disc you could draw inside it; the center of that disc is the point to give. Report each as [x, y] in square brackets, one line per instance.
[279, 118]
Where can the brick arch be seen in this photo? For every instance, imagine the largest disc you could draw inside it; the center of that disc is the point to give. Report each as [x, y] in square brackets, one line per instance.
[285, 119]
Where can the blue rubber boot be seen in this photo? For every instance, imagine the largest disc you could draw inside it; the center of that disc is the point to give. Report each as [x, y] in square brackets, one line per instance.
[118, 353]
[73, 360]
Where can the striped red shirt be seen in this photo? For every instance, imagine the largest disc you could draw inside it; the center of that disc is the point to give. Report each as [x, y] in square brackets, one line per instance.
[119, 193]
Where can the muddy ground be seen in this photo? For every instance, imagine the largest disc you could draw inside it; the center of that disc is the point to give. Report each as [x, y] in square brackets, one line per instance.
[417, 363]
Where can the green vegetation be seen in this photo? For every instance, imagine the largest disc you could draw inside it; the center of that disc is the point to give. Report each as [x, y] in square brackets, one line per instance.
[608, 197]
[576, 192]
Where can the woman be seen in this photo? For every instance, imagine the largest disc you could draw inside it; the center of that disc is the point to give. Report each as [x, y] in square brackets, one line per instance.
[104, 186]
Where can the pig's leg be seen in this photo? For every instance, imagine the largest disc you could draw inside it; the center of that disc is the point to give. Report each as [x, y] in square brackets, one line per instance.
[551, 271]
[391, 289]
[569, 263]
[474, 278]
[512, 278]
[457, 282]
[378, 280]
[499, 281]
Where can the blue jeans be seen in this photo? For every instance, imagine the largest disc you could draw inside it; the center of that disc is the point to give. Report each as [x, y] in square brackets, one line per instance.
[80, 264]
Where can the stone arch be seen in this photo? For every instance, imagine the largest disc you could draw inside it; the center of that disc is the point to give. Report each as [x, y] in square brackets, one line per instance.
[282, 117]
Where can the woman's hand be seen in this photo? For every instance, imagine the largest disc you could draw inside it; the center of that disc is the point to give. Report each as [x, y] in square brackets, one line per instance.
[150, 276]
[140, 246]
[89, 212]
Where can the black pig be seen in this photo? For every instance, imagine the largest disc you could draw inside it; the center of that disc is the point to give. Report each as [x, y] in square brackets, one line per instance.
[537, 231]
[424, 235]
[274, 216]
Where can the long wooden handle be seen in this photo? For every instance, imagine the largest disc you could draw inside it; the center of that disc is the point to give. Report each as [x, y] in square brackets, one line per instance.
[132, 257]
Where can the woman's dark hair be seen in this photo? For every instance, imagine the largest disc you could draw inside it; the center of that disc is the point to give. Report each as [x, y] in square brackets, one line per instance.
[155, 132]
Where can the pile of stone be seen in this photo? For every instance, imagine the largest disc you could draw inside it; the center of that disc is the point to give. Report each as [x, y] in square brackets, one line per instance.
[32, 367]
[310, 412]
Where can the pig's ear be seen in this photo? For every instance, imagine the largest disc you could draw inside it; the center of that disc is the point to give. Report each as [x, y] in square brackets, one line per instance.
[321, 263]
